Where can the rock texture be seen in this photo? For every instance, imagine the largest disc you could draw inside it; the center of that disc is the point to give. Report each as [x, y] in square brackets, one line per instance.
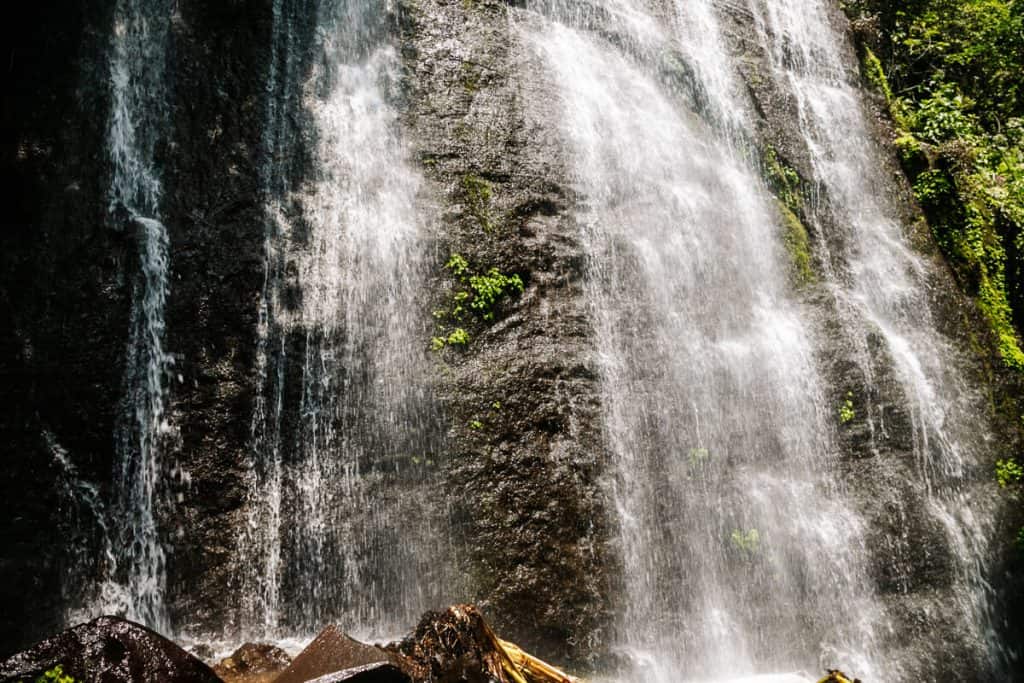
[526, 457]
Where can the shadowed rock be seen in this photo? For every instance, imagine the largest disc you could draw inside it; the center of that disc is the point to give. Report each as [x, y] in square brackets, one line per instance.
[368, 673]
[110, 650]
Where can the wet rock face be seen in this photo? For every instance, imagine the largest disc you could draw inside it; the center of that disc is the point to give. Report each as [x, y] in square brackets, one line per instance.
[525, 489]
[525, 457]
[214, 219]
[110, 650]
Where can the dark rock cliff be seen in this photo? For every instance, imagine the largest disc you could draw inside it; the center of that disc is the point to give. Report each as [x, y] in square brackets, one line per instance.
[64, 299]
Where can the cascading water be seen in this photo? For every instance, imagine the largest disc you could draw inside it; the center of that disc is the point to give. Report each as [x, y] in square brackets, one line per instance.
[344, 431]
[736, 548]
[881, 288]
[137, 120]
[262, 580]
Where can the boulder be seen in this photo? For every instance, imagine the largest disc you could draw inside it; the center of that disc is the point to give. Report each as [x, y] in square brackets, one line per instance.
[333, 652]
[110, 650]
[253, 663]
[459, 646]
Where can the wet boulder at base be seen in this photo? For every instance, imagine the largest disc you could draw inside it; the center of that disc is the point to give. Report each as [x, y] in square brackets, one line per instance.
[333, 653]
[111, 650]
[253, 663]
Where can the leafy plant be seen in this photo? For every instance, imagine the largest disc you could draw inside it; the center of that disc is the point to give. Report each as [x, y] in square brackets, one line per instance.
[477, 294]
[846, 409]
[458, 264]
[1009, 472]
[488, 288]
[55, 675]
[950, 73]
[746, 541]
[458, 336]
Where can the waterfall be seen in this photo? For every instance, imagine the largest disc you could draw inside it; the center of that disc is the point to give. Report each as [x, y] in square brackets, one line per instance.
[137, 122]
[737, 548]
[881, 287]
[344, 429]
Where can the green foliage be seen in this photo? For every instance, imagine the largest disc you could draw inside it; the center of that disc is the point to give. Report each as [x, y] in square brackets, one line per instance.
[952, 80]
[909, 148]
[477, 294]
[481, 292]
[875, 74]
[798, 246]
[787, 186]
[1020, 538]
[1009, 472]
[783, 180]
[457, 264]
[476, 425]
[943, 115]
[748, 541]
[487, 289]
[458, 336]
[846, 410]
[55, 675]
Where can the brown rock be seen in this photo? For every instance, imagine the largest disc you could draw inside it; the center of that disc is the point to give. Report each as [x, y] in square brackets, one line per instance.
[253, 663]
[332, 652]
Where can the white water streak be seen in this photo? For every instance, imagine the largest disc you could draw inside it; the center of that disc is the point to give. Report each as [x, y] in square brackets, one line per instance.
[136, 123]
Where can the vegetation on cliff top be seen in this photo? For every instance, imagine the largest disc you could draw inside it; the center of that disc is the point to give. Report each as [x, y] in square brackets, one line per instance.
[951, 73]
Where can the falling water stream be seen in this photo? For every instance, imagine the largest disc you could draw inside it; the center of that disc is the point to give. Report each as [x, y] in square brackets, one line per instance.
[341, 510]
[135, 583]
[730, 537]
[884, 291]
[737, 549]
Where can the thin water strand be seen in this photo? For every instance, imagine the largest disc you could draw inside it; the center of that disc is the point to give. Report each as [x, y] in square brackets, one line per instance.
[135, 126]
